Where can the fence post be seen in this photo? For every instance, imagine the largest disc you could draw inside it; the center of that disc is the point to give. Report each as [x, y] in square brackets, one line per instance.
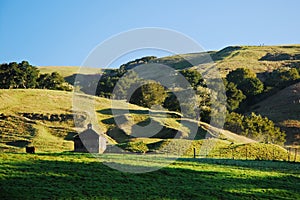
[289, 153]
[194, 152]
[232, 153]
[295, 159]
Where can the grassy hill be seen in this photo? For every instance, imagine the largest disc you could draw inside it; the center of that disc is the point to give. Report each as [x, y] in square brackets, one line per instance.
[66, 71]
[44, 118]
[284, 109]
[257, 58]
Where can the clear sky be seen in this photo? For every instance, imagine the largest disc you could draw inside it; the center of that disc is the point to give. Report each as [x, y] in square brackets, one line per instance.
[63, 32]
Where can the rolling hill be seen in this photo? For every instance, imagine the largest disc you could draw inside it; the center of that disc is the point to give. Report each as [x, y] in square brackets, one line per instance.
[44, 118]
[259, 59]
[284, 109]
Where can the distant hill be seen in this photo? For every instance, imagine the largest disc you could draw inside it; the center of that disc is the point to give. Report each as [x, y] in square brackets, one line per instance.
[257, 58]
[66, 71]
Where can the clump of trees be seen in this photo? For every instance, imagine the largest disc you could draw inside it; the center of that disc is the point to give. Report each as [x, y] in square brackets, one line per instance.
[23, 75]
[148, 95]
[282, 77]
[242, 84]
[255, 127]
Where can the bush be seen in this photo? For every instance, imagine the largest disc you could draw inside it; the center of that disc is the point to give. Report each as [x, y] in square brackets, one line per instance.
[136, 147]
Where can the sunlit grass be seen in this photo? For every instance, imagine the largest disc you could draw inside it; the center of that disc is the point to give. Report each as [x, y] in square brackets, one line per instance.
[82, 176]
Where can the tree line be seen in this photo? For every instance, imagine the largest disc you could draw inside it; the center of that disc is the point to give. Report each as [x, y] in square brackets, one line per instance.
[23, 76]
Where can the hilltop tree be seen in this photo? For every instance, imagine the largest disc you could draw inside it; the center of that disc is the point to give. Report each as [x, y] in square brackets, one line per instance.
[18, 75]
[53, 81]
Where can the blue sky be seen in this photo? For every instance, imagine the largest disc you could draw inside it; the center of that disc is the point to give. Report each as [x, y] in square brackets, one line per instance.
[63, 32]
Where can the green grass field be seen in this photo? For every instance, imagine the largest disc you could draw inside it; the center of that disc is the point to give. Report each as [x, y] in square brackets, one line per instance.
[81, 176]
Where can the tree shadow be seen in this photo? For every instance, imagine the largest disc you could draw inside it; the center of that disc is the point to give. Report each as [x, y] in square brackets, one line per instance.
[156, 113]
[53, 179]
[108, 111]
[18, 143]
[261, 165]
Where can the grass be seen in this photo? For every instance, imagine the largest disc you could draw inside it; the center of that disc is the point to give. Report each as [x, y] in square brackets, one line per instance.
[18, 131]
[81, 176]
[226, 59]
[68, 70]
[230, 58]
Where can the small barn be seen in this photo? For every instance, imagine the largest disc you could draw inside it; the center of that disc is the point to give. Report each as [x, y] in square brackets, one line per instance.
[89, 141]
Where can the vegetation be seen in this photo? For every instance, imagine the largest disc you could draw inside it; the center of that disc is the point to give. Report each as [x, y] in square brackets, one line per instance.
[72, 175]
[148, 95]
[23, 75]
[256, 127]
[136, 147]
[242, 168]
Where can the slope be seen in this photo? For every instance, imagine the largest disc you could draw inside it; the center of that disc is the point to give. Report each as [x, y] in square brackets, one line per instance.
[44, 118]
[284, 109]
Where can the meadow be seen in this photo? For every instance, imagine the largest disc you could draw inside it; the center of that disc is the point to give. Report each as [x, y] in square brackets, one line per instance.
[81, 176]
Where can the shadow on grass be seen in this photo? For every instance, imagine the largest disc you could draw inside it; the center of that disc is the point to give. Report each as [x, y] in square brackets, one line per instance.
[108, 111]
[155, 113]
[53, 179]
[262, 165]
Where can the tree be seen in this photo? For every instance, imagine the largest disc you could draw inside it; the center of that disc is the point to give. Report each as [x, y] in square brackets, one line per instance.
[193, 77]
[171, 102]
[124, 84]
[18, 75]
[53, 81]
[234, 122]
[263, 129]
[246, 81]
[255, 127]
[251, 87]
[148, 95]
[282, 77]
[234, 96]
[239, 75]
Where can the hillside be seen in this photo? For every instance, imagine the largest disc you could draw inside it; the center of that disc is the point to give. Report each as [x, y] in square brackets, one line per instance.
[284, 109]
[44, 118]
[259, 59]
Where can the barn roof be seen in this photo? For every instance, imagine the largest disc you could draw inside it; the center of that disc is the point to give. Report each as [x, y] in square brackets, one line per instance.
[89, 133]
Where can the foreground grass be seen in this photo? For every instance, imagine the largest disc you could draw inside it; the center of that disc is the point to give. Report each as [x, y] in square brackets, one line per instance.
[81, 176]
